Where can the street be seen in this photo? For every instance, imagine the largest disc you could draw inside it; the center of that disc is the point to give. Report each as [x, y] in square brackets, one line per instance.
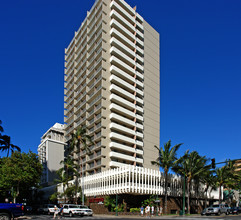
[222, 217]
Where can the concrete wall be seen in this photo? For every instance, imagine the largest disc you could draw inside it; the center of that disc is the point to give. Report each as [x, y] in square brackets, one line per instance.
[55, 155]
[151, 94]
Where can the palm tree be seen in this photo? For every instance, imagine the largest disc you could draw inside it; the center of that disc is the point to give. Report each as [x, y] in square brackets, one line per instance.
[226, 177]
[209, 180]
[190, 166]
[80, 140]
[5, 144]
[1, 128]
[66, 173]
[166, 159]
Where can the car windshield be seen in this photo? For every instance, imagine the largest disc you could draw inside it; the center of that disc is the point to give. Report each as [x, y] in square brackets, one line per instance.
[51, 206]
[215, 205]
[83, 207]
[73, 206]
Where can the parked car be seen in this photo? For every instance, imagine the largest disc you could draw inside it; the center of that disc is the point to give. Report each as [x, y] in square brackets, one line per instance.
[204, 211]
[48, 209]
[86, 210]
[234, 210]
[28, 209]
[218, 209]
[72, 210]
[11, 210]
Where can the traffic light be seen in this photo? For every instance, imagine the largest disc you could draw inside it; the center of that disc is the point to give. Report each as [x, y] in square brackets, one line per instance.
[213, 163]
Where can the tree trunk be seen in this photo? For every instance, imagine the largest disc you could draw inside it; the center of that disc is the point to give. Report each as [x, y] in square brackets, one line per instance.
[188, 197]
[206, 198]
[64, 193]
[220, 186]
[166, 177]
[8, 151]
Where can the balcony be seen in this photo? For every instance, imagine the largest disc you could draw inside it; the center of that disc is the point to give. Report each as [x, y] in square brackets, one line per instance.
[126, 157]
[122, 74]
[122, 111]
[116, 164]
[122, 138]
[122, 29]
[127, 15]
[122, 92]
[124, 130]
[114, 32]
[122, 56]
[114, 14]
[127, 7]
[122, 65]
[118, 81]
[118, 44]
[122, 120]
[122, 147]
[117, 99]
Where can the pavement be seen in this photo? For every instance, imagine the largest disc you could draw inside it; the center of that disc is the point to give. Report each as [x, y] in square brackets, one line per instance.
[105, 216]
[138, 216]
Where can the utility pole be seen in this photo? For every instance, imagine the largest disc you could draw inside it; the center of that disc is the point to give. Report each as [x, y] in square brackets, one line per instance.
[183, 200]
[116, 205]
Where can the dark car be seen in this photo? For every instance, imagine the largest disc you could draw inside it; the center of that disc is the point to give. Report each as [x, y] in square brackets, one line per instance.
[204, 211]
[234, 210]
[11, 210]
[28, 209]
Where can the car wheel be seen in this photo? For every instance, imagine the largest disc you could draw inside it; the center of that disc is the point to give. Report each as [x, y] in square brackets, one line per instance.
[70, 214]
[227, 213]
[4, 216]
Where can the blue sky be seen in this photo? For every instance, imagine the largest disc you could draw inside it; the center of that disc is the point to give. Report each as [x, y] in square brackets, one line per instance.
[200, 69]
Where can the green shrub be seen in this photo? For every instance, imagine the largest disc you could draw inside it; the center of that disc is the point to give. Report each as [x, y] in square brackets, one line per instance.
[134, 209]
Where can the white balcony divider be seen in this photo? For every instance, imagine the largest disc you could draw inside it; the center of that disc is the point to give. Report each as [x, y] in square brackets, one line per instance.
[135, 180]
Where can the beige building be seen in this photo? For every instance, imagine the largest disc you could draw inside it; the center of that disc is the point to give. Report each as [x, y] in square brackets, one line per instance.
[112, 75]
[237, 165]
[51, 152]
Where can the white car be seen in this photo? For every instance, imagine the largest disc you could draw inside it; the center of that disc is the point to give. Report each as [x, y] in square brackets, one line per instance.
[86, 210]
[71, 210]
[48, 209]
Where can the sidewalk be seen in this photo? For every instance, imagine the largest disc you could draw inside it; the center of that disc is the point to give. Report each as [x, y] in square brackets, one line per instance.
[144, 217]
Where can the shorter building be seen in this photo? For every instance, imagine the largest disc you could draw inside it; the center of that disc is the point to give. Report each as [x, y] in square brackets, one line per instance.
[51, 152]
[133, 184]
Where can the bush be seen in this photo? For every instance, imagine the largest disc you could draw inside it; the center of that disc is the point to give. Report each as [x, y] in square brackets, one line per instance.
[134, 210]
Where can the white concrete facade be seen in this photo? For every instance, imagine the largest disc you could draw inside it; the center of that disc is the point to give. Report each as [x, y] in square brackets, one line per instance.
[135, 180]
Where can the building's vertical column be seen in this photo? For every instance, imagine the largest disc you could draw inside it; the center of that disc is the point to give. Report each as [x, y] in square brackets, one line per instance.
[152, 94]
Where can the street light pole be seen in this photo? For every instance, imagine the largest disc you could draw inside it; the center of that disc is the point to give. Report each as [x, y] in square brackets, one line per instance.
[116, 205]
[83, 197]
[183, 201]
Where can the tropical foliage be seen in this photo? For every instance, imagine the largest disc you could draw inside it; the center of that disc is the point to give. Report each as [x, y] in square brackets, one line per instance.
[166, 159]
[70, 170]
[1, 127]
[191, 166]
[6, 145]
[196, 169]
[110, 203]
[5, 142]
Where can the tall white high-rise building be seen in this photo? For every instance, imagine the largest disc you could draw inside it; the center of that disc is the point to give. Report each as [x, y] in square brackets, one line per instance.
[112, 87]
